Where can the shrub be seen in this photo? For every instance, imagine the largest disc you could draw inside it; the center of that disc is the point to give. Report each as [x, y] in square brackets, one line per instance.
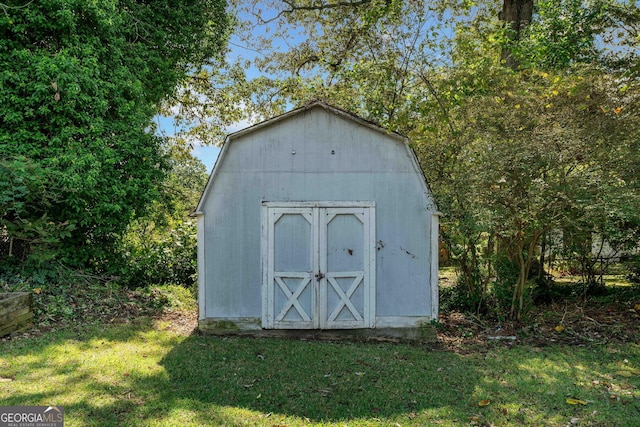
[632, 266]
[167, 260]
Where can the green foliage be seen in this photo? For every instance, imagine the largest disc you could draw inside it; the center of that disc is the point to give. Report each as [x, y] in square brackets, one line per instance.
[165, 256]
[61, 295]
[562, 33]
[557, 151]
[81, 82]
[26, 194]
[64, 296]
[458, 298]
[161, 247]
[173, 297]
[507, 272]
[632, 265]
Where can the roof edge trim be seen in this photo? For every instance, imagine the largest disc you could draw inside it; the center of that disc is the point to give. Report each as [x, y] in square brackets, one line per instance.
[309, 106]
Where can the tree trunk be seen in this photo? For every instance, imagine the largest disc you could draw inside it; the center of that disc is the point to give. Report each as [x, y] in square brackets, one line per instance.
[518, 291]
[543, 249]
[489, 254]
[516, 14]
[524, 264]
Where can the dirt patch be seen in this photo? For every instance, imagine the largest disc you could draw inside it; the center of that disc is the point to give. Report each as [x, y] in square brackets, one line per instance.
[179, 322]
[573, 325]
[569, 324]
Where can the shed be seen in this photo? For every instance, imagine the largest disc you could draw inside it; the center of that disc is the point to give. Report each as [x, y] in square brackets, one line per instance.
[317, 220]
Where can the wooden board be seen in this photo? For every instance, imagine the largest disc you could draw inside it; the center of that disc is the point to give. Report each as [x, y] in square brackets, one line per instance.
[15, 312]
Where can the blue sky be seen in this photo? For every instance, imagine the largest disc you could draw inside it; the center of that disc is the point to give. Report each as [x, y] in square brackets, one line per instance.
[207, 154]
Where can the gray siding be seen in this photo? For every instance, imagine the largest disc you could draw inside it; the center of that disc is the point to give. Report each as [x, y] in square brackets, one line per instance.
[367, 165]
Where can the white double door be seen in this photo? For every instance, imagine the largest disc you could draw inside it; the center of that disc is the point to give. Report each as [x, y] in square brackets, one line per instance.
[318, 265]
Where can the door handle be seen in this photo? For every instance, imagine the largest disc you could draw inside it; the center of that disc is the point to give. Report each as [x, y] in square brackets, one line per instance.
[319, 276]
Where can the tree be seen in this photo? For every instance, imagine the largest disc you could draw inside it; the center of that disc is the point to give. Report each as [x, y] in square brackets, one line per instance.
[521, 120]
[549, 154]
[161, 247]
[549, 137]
[81, 83]
[517, 15]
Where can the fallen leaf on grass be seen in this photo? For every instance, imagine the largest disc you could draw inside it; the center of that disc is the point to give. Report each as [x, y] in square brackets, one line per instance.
[484, 402]
[637, 307]
[572, 401]
[324, 392]
[559, 328]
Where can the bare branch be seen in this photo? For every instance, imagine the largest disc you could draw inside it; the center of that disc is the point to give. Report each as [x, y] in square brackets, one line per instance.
[5, 7]
[443, 108]
[324, 6]
[293, 7]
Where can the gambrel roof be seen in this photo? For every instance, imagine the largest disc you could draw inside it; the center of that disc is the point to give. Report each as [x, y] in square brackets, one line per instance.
[316, 104]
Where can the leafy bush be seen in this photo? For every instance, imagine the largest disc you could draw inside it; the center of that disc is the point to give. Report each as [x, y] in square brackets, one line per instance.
[81, 82]
[170, 259]
[632, 266]
[502, 290]
[161, 248]
[62, 295]
[456, 298]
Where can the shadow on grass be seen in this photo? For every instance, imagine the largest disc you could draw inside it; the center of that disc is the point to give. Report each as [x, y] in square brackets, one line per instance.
[134, 375]
[318, 381]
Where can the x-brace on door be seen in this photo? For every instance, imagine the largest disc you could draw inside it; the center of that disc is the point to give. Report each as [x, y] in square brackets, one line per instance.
[318, 265]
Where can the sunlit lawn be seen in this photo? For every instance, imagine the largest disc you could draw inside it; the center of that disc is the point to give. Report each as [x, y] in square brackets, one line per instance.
[136, 375]
[449, 275]
[609, 280]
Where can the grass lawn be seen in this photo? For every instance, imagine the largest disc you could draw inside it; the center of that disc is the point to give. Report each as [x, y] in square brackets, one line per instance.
[141, 375]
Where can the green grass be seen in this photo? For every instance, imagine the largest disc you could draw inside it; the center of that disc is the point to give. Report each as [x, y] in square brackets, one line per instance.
[610, 280]
[136, 375]
[447, 276]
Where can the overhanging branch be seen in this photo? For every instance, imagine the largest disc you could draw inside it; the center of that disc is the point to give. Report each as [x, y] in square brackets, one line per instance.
[293, 7]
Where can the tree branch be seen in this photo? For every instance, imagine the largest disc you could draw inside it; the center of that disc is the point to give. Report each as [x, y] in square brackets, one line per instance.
[443, 108]
[293, 7]
[324, 6]
[4, 7]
